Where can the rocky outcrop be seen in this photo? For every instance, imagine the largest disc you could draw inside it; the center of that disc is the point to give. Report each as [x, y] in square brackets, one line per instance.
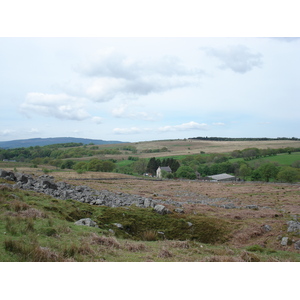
[62, 190]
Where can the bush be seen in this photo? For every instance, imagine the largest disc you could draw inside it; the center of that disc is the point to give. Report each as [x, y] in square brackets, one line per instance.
[186, 172]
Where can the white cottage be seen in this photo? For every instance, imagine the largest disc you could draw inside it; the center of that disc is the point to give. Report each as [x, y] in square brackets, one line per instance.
[160, 169]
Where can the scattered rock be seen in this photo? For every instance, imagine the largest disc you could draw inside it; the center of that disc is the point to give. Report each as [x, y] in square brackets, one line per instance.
[179, 210]
[284, 241]
[266, 228]
[161, 209]
[297, 245]
[252, 206]
[118, 225]
[190, 224]
[293, 226]
[86, 222]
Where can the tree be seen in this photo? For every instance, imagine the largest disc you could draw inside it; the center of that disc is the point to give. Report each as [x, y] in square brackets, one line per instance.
[288, 174]
[68, 164]
[244, 171]
[268, 171]
[153, 165]
[140, 166]
[296, 164]
[80, 166]
[186, 172]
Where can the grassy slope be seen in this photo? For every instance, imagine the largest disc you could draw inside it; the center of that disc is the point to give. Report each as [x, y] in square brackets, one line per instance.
[36, 227]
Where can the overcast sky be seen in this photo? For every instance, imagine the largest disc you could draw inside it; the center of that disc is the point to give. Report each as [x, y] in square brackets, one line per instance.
[138, 89]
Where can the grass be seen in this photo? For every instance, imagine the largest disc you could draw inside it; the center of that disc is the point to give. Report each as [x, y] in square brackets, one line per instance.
[36, 227]
[282, 159]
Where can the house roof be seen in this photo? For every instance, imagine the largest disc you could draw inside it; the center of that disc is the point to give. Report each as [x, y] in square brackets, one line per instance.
[168, 169]
[221, 176]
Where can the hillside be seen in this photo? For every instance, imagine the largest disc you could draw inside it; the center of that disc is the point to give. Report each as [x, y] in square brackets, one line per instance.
[215, 222]
[49, 141]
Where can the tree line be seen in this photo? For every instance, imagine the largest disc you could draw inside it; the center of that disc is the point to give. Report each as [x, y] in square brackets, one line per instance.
[242, 139]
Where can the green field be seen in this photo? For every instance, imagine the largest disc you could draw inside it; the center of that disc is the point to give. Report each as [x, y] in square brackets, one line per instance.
[282, 159]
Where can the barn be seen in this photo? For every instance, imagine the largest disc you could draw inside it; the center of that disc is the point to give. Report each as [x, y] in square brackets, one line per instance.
[222, 177]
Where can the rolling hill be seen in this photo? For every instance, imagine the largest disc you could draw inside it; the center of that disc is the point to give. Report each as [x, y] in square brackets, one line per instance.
[49, 141]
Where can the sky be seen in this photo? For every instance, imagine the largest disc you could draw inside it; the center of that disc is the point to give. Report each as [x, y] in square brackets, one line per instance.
[143, 88]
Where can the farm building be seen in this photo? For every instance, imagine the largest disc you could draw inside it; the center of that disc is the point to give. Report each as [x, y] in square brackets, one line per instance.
[222, 177]
[160, 169]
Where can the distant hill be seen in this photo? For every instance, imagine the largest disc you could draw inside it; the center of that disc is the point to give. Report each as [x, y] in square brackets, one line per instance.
[50, 141]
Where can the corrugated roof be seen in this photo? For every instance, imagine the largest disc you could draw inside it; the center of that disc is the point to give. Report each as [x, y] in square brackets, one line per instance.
[221, 176]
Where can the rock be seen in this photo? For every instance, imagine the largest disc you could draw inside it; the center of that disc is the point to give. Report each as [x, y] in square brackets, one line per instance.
[147, 203]
[86, 222]
[293, 226]
[228, 206]
[252, 206]
[266, 228]
[179, 210]
[21, 178]
[118, 225]
[161, 209]
[297, 245]
[3, 173]
[284, 241]
[190, 224]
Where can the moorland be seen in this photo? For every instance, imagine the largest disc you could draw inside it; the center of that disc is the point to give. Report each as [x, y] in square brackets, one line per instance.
[255, 219]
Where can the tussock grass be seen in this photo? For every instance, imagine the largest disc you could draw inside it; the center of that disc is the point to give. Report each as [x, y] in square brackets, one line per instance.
[104, 240]
[31, 252]
[134, 247]
[165, 253]
[149, 235]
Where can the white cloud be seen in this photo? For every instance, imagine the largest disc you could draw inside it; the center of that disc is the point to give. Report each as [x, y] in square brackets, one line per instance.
[237, 58]
[60, 106]
[185, 126]
[97, 120]
[127, 130]
[124, 111]
[114, 75]
[5, 132]
[33, 130]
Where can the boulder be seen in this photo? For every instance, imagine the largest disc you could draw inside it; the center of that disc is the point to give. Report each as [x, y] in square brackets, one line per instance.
[179, 210]
[86, 222]
[284, 241]
[293, 226]
[161, 209]
[22, 177]
[266, 228]
[120, 226]
[3, 173]
[297, 245]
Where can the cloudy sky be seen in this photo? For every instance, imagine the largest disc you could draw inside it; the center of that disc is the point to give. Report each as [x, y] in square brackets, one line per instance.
[135, 89]
[149, 88]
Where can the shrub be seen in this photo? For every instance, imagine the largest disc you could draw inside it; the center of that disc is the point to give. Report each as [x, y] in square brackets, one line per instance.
[165, 253]
[104, 240]
[149, 235]
[186, 172]
[134, 247]
[255, 248]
